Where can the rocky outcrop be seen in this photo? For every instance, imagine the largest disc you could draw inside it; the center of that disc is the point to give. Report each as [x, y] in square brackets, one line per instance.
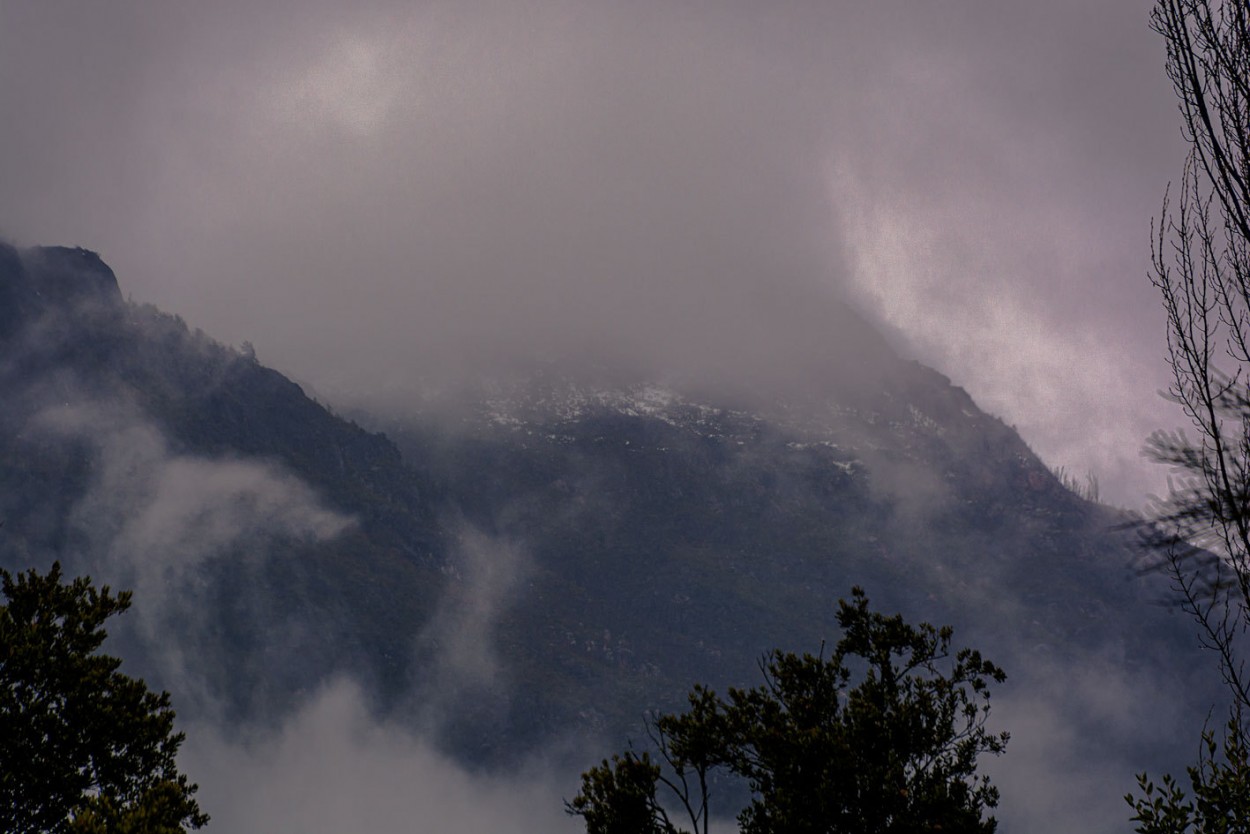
[51, 279]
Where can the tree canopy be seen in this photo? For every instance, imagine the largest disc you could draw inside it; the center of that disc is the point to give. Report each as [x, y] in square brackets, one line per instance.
[83, 747]
[883, 735]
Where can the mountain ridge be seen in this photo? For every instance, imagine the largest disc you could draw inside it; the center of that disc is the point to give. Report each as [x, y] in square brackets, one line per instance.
[541, 558]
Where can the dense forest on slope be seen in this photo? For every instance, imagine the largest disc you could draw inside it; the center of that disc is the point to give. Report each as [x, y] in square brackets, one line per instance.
[551, 556]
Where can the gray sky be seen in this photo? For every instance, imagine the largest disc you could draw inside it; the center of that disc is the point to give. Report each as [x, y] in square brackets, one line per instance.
[382, 192]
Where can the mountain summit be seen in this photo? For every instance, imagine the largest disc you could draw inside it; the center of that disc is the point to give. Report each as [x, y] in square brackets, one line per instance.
[46, 279]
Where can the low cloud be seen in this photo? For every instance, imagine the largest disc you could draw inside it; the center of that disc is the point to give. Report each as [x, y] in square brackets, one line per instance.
[406, 195]
[1078, 738]
[457, 646]
[151, 518]
[333, 768]
[159, 512]
[411, 195]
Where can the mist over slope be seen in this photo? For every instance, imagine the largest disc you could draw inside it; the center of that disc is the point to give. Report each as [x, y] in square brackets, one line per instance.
[450, 184]
[521, 571]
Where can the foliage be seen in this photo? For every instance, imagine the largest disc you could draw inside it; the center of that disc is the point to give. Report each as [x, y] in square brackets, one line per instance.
[1220, 801]
[83, 748]
[882, 736]
[619, 797]
[1200, 535]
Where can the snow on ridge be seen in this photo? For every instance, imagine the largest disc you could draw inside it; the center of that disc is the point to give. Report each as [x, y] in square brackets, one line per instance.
[527, 403]
[539, 404]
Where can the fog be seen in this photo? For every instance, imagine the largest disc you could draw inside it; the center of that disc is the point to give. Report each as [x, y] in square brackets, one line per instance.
[458, 642]
[392, 196]
[332, 767]
[426, 193]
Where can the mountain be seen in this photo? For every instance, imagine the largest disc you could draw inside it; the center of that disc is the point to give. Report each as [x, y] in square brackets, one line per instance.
[549, 555]
[107, 400]
[679, 539]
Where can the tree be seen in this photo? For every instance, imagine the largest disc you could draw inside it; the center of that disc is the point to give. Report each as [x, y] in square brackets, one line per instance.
[1219, 783]
[619, 797]
[882, 736]
[1200, 534]
[83, 747]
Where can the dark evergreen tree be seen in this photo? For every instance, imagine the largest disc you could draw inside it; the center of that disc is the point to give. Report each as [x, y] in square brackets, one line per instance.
[882, 736]
[83, 747]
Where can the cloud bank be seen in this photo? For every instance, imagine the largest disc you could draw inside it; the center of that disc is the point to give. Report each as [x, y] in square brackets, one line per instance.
[333, 768]
[393, 194]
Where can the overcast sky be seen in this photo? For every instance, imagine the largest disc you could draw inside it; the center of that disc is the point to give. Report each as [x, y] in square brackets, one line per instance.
[378, 192]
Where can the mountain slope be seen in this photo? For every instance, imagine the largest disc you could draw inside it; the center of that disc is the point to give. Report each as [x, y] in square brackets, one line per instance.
[680, 540]
[550, 556]
[106, 398]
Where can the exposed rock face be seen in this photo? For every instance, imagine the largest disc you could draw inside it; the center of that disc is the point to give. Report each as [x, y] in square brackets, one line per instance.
[51, 279]
[70, 275]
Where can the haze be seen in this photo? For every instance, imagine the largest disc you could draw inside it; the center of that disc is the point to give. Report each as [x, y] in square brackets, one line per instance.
[397, 193]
